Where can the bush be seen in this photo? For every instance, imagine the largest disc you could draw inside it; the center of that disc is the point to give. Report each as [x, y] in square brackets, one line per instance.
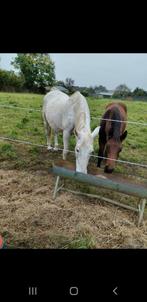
[85, 92]
[139, 92]
[121, 94]
[9, 81]
[122, 91]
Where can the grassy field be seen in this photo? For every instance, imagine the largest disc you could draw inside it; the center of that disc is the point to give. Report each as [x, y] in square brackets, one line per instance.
[28, 125]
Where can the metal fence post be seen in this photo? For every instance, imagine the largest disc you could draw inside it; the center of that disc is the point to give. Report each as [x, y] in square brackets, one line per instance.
[56, 187]
[141, 210]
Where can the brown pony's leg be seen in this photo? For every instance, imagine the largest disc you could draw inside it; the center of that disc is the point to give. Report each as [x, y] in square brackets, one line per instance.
[100, 153]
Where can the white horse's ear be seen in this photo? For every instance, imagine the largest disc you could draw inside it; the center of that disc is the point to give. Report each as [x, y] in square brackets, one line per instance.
[95, 132]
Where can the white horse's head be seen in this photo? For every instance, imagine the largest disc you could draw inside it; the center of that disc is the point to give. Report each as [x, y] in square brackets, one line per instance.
[84, 146]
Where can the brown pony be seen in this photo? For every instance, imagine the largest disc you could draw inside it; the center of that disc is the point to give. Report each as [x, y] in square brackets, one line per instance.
[111, 134]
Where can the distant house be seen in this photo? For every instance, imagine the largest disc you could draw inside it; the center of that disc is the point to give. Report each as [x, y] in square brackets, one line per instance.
[104, 94]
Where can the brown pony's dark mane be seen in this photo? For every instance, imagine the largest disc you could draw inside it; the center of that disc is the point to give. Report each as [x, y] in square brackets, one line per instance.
[117, 104]
[114, 114]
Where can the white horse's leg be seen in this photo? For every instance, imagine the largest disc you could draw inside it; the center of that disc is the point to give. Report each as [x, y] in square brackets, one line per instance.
[55, 141]
[49, 136]
[48, 133]
[66, 135]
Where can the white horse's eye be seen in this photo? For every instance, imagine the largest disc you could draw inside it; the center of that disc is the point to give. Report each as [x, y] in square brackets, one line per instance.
[77, 150]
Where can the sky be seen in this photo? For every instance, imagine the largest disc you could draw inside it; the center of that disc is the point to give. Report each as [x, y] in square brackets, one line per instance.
[109, 70]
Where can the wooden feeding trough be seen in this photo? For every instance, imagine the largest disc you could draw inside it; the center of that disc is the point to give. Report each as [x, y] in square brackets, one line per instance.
[97, 178]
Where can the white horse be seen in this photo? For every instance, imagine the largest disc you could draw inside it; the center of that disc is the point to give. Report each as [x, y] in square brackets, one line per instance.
[69, 113]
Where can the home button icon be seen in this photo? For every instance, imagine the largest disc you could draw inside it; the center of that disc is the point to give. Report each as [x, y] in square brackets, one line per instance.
[73, 291]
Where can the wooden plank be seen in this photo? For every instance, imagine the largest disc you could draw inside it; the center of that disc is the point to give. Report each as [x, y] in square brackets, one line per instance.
[126, 188]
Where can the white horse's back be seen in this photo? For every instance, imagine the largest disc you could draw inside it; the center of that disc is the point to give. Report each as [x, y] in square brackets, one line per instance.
[54, 105]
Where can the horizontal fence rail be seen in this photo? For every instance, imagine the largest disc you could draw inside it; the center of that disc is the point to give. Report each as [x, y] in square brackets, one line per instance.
[92, 117]
[128, 122]
[19, 141]
[60, 149]
[17, 107]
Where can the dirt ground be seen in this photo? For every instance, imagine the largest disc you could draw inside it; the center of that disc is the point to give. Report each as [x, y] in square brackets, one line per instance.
[30, 218]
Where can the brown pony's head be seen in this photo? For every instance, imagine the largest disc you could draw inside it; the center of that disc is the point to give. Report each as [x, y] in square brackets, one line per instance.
[112, 149]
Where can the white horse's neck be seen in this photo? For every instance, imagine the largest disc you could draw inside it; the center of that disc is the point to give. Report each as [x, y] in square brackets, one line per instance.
[81, 111]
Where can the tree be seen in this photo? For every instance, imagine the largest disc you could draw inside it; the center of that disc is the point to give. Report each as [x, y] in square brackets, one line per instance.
[92, 91]
[38, 70]
[139, 92]
[60, 83]
[122, 88]
[100, 88]
[9, 81]
[122, 91]
[69, 84]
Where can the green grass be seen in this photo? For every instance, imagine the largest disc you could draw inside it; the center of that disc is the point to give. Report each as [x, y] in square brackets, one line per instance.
[7, 151]
[80, 242]
[53, 241]
[28, 125]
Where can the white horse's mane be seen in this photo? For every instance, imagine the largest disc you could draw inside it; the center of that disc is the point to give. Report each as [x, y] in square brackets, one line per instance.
[81, 109]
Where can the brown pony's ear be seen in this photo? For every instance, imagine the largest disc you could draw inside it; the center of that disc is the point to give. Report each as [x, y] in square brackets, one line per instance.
[124, 135]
